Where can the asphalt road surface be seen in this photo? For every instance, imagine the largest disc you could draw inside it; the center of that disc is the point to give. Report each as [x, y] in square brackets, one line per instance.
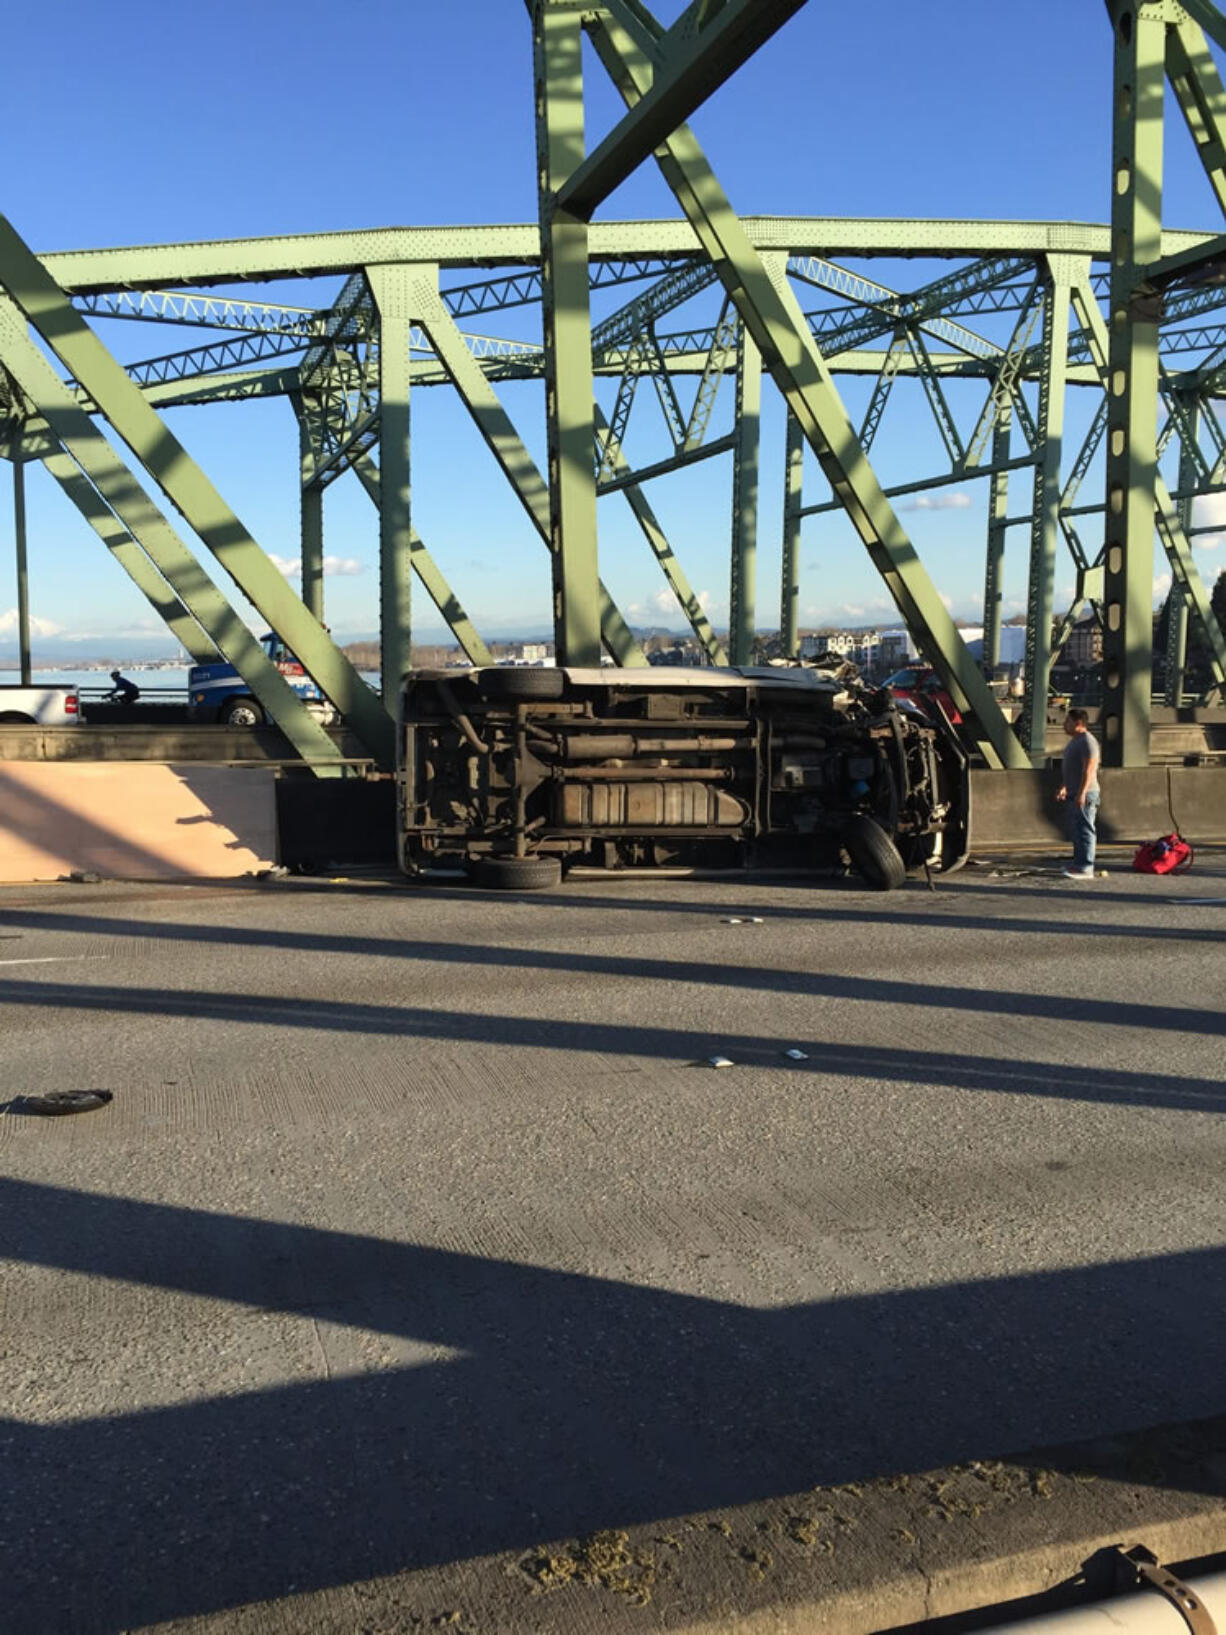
[418, 1229]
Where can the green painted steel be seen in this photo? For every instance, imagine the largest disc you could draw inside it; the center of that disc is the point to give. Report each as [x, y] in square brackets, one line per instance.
[1176, 654]
[22, 570]
[190, 491]
[507, 447]
[693, 65]
[311, 514]
[391, 289]
[131, 558]
[793, 502]
[774, 321]
[123, 495]
[1132, 383]
[998, 513]
[1199, 92]
[658, 540]
[433, 582]
[566, 314]
[742, 595]
[1062, 271]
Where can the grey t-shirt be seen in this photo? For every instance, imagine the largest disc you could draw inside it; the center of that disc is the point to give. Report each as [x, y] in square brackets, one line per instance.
[1081, 747]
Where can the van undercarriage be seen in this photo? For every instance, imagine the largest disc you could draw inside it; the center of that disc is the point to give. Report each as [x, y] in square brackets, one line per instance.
[516, 773]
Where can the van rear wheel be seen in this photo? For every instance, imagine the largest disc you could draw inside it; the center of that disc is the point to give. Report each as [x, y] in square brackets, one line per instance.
[518, 873]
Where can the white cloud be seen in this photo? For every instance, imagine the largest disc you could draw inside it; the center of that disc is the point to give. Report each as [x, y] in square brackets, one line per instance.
[954, 501]
[335, 567]
[948, 600]
[1162, 583]
[38, 627]
[1209, 511]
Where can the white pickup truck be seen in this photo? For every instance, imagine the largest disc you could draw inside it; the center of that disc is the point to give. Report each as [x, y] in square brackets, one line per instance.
[39, 706]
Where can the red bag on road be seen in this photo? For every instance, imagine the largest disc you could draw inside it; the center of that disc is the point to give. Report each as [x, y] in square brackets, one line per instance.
[1168, 855]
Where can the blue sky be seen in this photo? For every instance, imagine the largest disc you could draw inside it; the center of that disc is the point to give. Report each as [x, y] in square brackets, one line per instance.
[142, 127]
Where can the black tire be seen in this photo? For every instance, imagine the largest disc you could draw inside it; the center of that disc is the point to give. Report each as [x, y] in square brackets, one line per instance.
[507, 684]
[242, 712]
[14, 718]
[874, 856]
[518, 873]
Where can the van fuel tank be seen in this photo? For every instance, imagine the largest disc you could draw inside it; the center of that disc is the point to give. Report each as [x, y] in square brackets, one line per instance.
[648, 805]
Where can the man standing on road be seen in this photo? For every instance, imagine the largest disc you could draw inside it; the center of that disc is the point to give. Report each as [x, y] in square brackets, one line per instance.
[1080, 790]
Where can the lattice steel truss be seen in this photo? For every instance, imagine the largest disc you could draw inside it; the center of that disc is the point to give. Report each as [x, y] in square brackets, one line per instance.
[1034, 324]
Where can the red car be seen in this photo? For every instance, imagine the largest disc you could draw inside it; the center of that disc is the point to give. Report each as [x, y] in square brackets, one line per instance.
[919, 684]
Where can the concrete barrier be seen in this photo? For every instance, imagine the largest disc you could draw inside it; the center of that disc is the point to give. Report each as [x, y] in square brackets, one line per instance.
[135, 820]
[1198, 799]
[1138, 803]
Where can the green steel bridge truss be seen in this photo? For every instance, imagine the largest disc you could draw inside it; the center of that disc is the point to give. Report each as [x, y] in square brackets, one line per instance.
[1121, 327]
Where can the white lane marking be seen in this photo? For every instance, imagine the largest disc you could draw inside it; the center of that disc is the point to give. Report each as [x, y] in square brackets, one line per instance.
[54, 959]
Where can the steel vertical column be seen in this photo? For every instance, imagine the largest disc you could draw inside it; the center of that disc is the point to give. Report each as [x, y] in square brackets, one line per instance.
[793, 500]
[566, 310]
[390, 287]
[23, 576]
[1132, 381]
[1045, 517]
[311, 501]
[998, 511]
[742, 600]
[1177, 605]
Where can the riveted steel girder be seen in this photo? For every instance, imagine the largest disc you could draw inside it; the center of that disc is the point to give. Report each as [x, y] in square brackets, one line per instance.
[566, 313]
[191, 492]
[22, 570]
[1139, 32]
[776, 325]
[742, 597]
[120, 492]
[690, 65]
[793, 500]
[1062, 271]
[391, 289]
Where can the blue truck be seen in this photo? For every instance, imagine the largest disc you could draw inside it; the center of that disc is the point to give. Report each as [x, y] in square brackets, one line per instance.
[216, 692]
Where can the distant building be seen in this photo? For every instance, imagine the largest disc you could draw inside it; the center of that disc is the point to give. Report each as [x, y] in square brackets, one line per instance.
[895, 648]
[1084, 646]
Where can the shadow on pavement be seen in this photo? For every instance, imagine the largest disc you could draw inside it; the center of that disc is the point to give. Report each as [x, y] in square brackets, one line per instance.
[576, 1403]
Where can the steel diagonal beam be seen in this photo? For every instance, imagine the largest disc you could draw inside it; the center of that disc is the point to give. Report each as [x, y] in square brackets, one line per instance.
[426, 569]
[202, 311]
[1202, 100]
[688, 77]
[881, 390]
[507, 447]
[1209, 18]
[131, 558]
[190, 491]
[665, 391]
[777, 327]
[1004, 394]
[624, 402]
[212, 360]
[613, 457]
[669, 293]
[923, 307]
[823, 274]
[119, 491]
[936, 400]
[672, 462]
[723, 344]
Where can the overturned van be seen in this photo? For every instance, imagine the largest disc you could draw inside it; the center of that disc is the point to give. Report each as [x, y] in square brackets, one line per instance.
[515, 773]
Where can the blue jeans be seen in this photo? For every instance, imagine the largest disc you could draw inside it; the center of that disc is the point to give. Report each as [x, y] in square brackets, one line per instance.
[1083, 829]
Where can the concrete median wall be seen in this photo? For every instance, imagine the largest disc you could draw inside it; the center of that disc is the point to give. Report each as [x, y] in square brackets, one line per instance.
[135, 820]
[1138, 803]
